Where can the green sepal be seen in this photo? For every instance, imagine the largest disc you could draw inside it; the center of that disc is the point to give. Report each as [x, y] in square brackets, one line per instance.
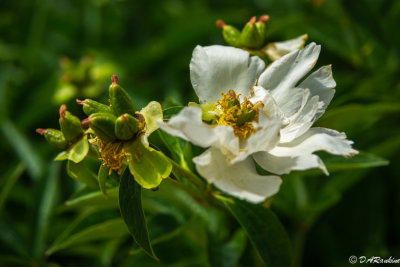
[152, 114]
[250, 36]
[121, 102]
[231, 35]
[146, 164]
[55, 138]
[126, 126]
[77, 152]
[90, 106]
[103, 125]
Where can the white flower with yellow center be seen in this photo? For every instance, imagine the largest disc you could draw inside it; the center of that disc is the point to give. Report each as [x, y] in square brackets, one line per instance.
[248, 112]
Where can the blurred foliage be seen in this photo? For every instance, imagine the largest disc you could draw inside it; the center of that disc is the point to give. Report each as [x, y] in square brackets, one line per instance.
[149, 45]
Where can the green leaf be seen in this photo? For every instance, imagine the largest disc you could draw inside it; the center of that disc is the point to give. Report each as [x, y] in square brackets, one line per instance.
[130, 204]
[109, 229]
[81, 229]
[10, 236]
[362, 160]
[102, 177]
[82, 173]
[147, 165]
[93, 199]
[23, 148]
[79, 150]
[171, 111]
[264, 231]
[44, 207]
[9, 181]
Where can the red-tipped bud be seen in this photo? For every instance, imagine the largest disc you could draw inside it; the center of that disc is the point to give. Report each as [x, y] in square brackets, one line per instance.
[41, 131]
[220, 24]
[63, 109]
[263, 18]
[80, 102]
[85, 123]
[114, 79]
[252, 20]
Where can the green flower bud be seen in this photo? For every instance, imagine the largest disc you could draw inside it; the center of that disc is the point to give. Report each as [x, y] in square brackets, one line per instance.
[70, 125]
[126, 127]
[90, 106]
[54, 137]
[121, 102]
[231, 34]
[102, 124]
[250, 36]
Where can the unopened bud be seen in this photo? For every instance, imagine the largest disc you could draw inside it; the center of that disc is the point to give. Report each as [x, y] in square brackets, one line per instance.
[231, 34]
[121, 102]
[54, 137]
[90, 106]
[70, 125]
[103, 125]
[126, 127]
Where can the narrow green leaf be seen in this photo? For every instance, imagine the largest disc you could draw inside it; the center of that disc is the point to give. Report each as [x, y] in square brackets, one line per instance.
[130, 204]
[264, 231]
[23, 148]
[85, 223]
[10, 236]
[93, 199]
[44, 207]
[102, 177]
[362, 160]
[9, 181]
[105, 230]
[81, 173]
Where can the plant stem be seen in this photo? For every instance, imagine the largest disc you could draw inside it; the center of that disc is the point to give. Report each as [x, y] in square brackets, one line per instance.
[299, 242]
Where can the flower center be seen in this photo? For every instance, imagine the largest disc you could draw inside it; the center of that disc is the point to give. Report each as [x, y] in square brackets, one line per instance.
[239, 116]
[112, 154]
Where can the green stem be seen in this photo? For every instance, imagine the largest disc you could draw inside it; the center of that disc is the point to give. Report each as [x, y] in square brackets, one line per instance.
[196, 180]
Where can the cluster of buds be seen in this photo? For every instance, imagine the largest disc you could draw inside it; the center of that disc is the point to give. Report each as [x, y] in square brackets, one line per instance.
[253, 34]
[119, 121]
[118, 131]
[253, 38]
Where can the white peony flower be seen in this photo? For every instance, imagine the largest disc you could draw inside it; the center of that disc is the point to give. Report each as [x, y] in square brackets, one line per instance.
[248, 113]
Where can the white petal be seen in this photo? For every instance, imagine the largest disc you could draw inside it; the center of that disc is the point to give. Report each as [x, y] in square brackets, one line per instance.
[283, 165]
[278, 49]
[322, 84]
[316, 139]
[302, 120]
[216, 69]
[282, 76]
[240, 180]
[270, 108]
[187, 124]
[264, 138]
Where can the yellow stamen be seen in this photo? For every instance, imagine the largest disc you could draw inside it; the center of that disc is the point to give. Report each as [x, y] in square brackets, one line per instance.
[231, 112]
[112, 154]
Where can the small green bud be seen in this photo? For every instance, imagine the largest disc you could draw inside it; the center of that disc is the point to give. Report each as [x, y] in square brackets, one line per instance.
[231, 34]
[121, 102]
[126, 127]
[102, 124]
[54, 137]
[247, 115]
[250, 36]
[90, 106]
[70, 125]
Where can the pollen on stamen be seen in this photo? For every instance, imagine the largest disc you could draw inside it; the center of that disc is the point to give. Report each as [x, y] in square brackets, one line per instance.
[234, 115]
[112, 154]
